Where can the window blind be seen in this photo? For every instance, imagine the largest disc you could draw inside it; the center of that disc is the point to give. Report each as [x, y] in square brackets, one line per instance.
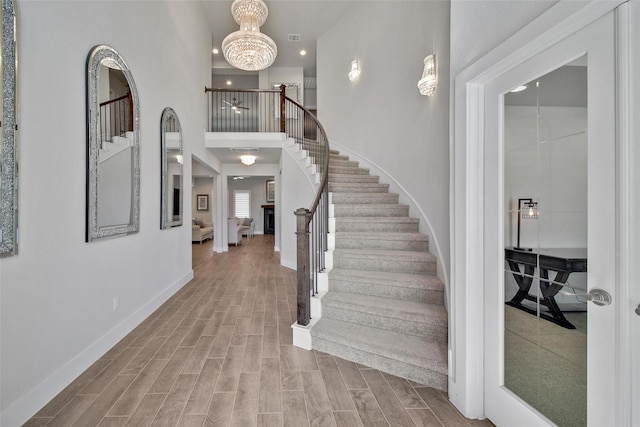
[242, 204]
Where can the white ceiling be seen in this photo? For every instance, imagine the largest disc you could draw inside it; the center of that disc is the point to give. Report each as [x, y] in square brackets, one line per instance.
[309, 18]
[263, 155]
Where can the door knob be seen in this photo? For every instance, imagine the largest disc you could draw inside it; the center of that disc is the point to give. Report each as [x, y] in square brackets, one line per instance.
[596, 296]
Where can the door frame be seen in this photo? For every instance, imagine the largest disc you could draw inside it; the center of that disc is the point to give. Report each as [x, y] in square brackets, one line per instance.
[466, 315]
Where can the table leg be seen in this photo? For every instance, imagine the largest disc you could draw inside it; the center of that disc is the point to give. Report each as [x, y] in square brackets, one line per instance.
[549, 291]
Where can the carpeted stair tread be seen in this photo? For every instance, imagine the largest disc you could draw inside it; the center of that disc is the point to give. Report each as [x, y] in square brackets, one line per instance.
[382, 240]
[370, 210]
[344, 163]
[380, 224]
[417, 256]
[358, 187]
[389, 235]
[336, 178]
[384, 198]
[418, 281]
[432, 314]
[347, 170]
[398, 347]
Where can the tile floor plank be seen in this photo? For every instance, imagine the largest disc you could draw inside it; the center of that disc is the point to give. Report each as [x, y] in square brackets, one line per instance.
[219, 413]
[424, 418]
[101, 405]
[172, 407]
[294, 412]
[404, 392]
[353, 379]
[442, 409]
[389, 403]
[146, 410]
[200, 397]
[130, 399]
[317, 400]
[368, 409]
[347, 419]
[269, 399]
[339, 396]
[269, 420]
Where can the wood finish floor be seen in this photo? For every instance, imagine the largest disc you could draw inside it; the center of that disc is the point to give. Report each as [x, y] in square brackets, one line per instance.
[220, 353]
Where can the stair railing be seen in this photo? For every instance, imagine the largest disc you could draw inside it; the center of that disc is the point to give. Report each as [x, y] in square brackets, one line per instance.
[116, 117]
[272, 111]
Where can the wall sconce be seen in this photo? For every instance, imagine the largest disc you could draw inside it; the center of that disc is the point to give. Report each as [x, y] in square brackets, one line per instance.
[354, 74]
[247, 159]
[526, 210]
[179, 158]
[429, 80]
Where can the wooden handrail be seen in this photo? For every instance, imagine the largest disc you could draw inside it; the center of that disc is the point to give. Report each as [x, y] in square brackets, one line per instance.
[212, 89]
[111, 101]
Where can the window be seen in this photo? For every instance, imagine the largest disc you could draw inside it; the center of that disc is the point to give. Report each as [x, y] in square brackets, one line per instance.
[242, 204]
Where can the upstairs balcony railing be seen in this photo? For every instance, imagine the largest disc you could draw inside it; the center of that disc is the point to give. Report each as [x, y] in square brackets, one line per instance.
[232, 110]
[116, 117]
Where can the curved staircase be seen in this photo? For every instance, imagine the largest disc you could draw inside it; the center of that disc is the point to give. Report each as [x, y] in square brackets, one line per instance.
[385, 305]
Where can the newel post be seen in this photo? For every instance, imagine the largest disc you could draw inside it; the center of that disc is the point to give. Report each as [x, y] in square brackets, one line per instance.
[283, 120]
[303, 278]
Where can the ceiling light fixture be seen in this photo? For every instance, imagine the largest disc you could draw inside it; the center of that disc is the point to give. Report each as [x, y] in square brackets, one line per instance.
[354, 74]
[427, 84]
[248, 49]
[303, 52]
[229, 82]
[215, 51]
[247, 159]
[519, 89]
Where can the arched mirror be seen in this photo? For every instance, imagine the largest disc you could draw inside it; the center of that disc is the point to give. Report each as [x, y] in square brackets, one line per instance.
[171, 179]
[9, 165]
[113, 152]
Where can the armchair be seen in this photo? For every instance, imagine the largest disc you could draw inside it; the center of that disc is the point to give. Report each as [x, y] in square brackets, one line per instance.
[234, 232]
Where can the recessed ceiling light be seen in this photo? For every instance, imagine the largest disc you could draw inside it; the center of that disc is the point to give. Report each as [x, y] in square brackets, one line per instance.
[519, 89]
[303, 52]
[215, 51]
[229, 82]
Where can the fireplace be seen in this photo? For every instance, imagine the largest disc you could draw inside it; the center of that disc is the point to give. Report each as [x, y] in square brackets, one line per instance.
[269, 219]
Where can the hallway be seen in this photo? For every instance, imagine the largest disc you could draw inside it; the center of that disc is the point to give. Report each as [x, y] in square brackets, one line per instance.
[220, 353]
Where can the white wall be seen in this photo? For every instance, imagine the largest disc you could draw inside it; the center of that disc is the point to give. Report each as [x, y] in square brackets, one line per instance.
[57, 295]
[382, 116]
[297, 192]
[202, 186]
[115, 188]
[477, 26]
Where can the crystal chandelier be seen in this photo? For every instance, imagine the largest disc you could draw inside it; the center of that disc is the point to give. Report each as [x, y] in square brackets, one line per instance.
[248, 49]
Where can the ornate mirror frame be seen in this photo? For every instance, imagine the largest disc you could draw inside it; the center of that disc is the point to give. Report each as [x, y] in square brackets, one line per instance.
[9, 183]
[170, 124]
[106, 55]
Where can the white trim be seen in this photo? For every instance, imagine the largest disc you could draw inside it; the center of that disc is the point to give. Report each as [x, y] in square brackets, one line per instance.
[466, 314]
[624, 162]
[405, 197]
[24, 408]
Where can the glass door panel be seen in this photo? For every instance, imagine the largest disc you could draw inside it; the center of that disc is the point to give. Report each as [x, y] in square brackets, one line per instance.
[545, 243]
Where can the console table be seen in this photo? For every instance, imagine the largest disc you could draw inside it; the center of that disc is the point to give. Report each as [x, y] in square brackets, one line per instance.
[562, 261]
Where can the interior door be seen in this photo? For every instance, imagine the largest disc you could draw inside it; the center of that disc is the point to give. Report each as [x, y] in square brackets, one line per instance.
[550, 201]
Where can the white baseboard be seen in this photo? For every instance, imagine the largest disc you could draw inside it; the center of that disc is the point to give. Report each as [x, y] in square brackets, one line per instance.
[25, 407]
[292, 264]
